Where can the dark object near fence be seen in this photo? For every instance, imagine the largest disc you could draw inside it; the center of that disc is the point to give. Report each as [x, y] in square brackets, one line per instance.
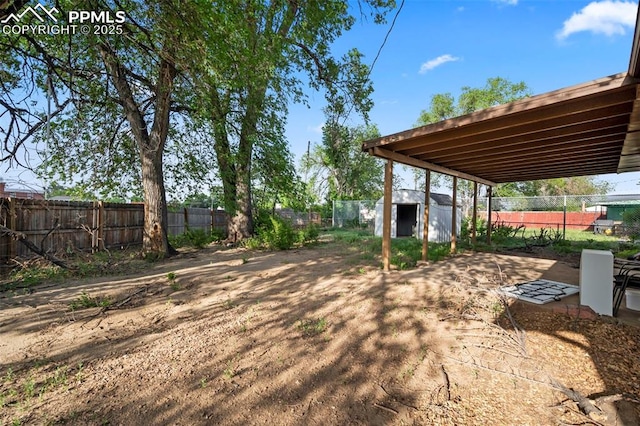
[603, 226]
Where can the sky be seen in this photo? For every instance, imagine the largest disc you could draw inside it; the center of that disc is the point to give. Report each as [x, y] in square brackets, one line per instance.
[440, 46]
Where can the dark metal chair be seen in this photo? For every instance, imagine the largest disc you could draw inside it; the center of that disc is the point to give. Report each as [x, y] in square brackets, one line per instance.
[628, 275]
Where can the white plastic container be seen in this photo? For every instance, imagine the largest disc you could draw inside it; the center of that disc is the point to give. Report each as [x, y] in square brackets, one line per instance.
[633, 299]
[596, 283]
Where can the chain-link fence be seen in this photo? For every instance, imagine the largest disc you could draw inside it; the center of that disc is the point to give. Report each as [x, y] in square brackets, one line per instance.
[354, 214]
[601, 214]
[608, 214]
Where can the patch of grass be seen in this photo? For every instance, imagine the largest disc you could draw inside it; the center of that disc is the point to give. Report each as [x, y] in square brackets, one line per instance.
[85, 301]
[310, 327]
[9, 375]
[198, 238]
[408, 372]
[231, 369]
[29, 387]
[175, 286]
[33, 275]
[229, 304]
[405, 252]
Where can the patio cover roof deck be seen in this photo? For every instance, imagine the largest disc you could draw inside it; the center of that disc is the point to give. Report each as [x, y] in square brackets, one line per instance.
[587, 129]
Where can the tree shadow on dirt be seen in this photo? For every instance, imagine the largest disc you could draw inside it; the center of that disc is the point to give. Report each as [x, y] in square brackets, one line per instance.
[300, 337]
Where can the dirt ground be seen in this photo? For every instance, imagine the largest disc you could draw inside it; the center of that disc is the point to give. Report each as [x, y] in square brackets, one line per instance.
[311, 336]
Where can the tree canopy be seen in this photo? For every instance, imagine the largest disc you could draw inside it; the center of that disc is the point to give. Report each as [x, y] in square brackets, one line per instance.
[181, 89]
[340, 170]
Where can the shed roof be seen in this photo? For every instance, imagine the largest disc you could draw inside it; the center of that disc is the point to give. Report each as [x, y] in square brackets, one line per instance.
[407, 195]
[587, 129]
[625, 203]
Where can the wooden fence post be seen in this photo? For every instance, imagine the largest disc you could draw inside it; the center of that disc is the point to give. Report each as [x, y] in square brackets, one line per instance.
[12, 220]
[101, 217]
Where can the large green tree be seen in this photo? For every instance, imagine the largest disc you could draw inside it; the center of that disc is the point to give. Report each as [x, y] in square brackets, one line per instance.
[121, 92]
[338, 167]
[578, 185]
[256, 57]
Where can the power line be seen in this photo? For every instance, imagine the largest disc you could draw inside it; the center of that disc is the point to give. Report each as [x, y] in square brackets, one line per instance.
[393, 23]
[384, 41]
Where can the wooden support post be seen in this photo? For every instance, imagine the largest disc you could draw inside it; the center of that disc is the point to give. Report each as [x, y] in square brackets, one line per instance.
[489, 194]
[11, 224]
[474, 217]
[101, 224]
[186, 219]
[386, 215]
[94, 227]
[425, 218]
[454, 215]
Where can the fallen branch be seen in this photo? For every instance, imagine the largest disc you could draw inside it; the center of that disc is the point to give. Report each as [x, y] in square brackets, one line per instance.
[391, 410]
[447, 384]
[584, 404]
[396, 398]
[22, 238]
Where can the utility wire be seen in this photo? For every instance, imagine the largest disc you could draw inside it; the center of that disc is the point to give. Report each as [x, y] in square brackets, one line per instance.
[386, 37]
[393, 23]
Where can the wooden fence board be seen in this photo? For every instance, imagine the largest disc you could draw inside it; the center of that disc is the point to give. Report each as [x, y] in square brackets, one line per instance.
[92, 225]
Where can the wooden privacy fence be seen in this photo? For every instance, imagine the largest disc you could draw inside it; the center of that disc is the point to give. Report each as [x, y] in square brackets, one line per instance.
[59, 226]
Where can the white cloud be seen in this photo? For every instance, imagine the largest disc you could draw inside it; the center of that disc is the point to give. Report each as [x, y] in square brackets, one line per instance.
[601, 17]
[442, 59]
[316, 129]
[507, 2]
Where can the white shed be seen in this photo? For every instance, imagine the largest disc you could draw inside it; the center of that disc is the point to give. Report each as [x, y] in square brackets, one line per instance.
[407, 213]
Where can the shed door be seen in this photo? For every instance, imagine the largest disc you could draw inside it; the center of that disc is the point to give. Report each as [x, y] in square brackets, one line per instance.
[406, 222]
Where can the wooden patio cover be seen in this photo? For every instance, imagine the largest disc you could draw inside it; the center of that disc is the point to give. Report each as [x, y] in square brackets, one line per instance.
[587, 129]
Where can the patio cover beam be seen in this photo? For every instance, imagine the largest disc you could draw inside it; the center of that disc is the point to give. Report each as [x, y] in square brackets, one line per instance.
[410, 161]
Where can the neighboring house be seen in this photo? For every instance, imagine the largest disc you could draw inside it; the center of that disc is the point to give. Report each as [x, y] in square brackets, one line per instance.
[407, 212]
[20, 193]
[615, 210]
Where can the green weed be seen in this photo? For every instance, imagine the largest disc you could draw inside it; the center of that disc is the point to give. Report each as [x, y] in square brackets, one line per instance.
[86, 301]
[33, 275]
[312, 327]
[230, 371]
[229, 304]
[175, 286]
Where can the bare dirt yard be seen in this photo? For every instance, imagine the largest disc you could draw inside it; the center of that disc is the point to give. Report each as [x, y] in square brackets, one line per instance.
[311, 336]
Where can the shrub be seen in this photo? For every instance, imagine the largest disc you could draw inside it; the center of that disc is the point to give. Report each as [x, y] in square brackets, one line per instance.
[280, 235]
[465, 229]
[631, 222]
[308, 234]
[198, 238]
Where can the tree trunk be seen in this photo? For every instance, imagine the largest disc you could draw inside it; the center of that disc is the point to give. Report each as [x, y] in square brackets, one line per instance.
[240, 224]
[156, 223]
[151, 146]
